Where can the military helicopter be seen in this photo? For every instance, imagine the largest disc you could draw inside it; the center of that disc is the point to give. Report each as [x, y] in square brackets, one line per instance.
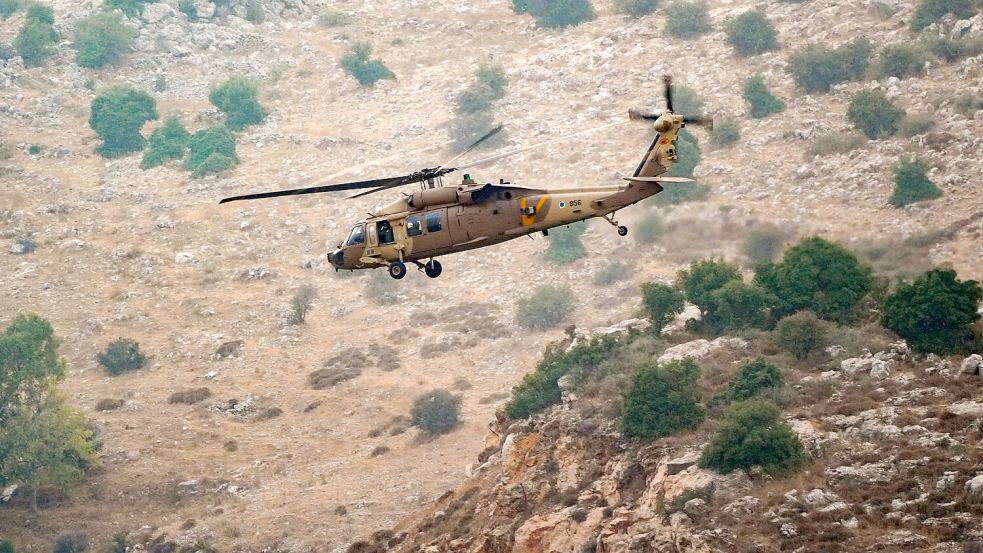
[439, 219]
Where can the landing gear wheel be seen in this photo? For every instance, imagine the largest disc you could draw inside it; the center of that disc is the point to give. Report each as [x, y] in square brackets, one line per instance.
[397, 270]
[432, 268]
[622, 231]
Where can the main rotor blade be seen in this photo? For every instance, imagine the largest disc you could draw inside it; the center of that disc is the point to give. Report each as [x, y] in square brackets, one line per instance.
[477, 143]
[546, 143]
[388, 182]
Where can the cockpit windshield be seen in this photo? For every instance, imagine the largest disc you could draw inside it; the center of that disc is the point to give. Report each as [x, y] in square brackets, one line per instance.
[357, 236]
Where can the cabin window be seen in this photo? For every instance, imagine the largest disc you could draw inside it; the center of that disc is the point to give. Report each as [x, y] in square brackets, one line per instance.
[433, 222]
[414, 226]
[357, 236]
[385, 232]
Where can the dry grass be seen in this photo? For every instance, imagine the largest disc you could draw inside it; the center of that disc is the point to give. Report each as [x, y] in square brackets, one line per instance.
[109, 404]
[190, 397]
[329, 377]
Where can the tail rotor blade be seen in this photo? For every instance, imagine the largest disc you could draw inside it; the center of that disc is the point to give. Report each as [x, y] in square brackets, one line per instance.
[667, 80]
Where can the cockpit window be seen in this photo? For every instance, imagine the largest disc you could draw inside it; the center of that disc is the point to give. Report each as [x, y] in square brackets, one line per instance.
[414, 227]
[357, 236]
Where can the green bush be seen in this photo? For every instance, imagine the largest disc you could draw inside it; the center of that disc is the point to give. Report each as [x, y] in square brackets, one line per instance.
[650, 229]
[753, 378]
[663, 400]
[71, 542]
[817, 69]
[556, 13]
[6, 547]
[331, 17]
[874, 115]
[101, 39]
[702, 278]
[130, 8]
[763, 244]
[539, 389]
[800, 334]
[819, 276]
[725, 132]
[466, 128]
[436, 412]
[930, 11]
[751, 33]
[903, 60]
[935, 313]
[687, 19]
[951, 50]
[636, 8]
[167, 142]
[545, 308]
[737, 305]
[763, 103]
[367, 72]
[9, 8]
[686, 100]
[488, 87]
[565, 245]
[301, 303]
[836, 143]
[40, 13]
[662, 303]
[187, 7]
[122, 355]
[916, 124]
[35, 149]
[211, 150]
[236, 98]
[616, 271]
[911, 184]
[254, 12]
[117, 116]
[35, 42]
[754, 434]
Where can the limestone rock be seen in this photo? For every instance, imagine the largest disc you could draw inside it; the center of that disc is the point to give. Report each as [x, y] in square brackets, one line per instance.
[8, 493]
[972, 365]
[974, 487]
[155, 13]
[697, 349]
[681, 463]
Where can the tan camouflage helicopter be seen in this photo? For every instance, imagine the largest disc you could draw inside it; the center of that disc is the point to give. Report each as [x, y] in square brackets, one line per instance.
[438, 220]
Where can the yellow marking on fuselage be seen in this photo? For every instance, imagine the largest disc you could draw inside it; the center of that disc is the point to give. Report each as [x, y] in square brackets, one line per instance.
[530, 219]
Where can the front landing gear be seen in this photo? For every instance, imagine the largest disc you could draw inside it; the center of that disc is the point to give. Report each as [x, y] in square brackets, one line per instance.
[397, 270]
[622, 230]
[432, 268]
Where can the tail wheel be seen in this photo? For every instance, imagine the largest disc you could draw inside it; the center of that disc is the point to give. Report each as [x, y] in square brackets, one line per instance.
[397, 270]
[622, 231]
[432, 268]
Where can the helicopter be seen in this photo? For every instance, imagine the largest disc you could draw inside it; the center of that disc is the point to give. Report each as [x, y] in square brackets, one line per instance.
[440, 219]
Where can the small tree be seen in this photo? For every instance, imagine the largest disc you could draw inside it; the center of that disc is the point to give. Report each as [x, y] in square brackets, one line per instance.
[35, 42]
[902, 60]
[167, 142]
[662, 303]
[911, 183]
[545, 308]
[367, 72]
[636, 8]
[935, 313]
[301, 303]
[236, 98]
[122, 355]
[663, 400]
[211, 150]
[761, 100]
[101, 39]
[754, 434]
[874, 115]
[702, 279]
[930, 11]
[117, 116]
[556, 13]
[565, 245]
[751, 33]
[40, 13]
[436, 412]
[800, 334]
[71, 542]
[754, 377]
[7, 9]
[488, 87]
[817, 69]
[738, 305]
[687, 19]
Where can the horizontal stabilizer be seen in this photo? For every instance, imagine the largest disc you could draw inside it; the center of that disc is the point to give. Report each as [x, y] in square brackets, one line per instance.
[659, 179]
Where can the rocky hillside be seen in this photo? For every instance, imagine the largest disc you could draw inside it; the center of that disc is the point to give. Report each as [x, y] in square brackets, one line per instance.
[274, 461]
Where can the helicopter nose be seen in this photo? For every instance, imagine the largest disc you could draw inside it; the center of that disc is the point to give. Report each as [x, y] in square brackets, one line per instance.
[337, 258]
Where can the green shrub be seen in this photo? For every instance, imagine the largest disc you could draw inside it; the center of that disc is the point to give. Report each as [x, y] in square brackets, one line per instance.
[951, 50]
[187, 7]
[367, 72]
[662, 303]
[211, 150]
[967, 104]
[616, 271]
[874, 115]
[650, 229]
[636, 8]
[254, 12]
[545, 308]
[71, 542]
[101, 39]
[663, 400]
[935, 313]
[236, 98]
[9, 8]
[836, 143]
[301, 303]
[916, 124]
[819, 276]
[751, 33]
[817, 69]
[687, 19]
[800, 334]
[190, 397]
[34, 149]
[122, 355]
[6, 547]
[556, 13]
[167, 142]
[702, 278]
[930, 11]
[763, 103]
[565, 245]
[725, 132]
[35, 42]
[40, 13]
[130, 8]
[436, 412]
[754, 434]
[763, 244]
[737, 305]
[911, 184]
[117, 116]
[753, 378]
[901, 61]
[488, 87]
[539, 389]
[687, 101]
[331, 17]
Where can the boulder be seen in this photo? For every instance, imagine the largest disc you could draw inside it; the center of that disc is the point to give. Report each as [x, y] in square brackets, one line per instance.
[974, 487]
[972, 365]
[155, 13]
[698, 349]
[879, 370]
[695, 508]
[863, 475]
[8, 493]
[681, 463]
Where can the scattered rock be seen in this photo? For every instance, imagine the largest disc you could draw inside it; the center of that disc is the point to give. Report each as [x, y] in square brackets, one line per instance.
[8, 493]
[681, 463]
[972, 365]
[695, 508]
[974, 487]
[697, 349]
